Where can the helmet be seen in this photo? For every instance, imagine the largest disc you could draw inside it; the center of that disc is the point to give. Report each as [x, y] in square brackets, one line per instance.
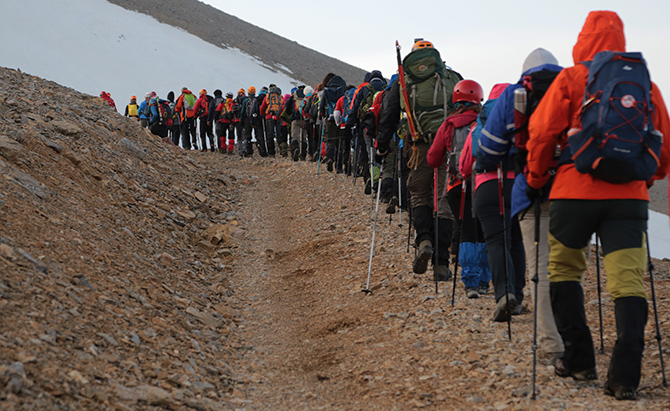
[147, 94]
[241, 91]
[422, 44]
[229, 95]
[252, 90]
[203, 91]
[468, 91]
[133, 98]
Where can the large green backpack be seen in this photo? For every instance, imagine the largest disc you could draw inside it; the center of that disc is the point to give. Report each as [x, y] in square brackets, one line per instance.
[429, 87]
[367, 103]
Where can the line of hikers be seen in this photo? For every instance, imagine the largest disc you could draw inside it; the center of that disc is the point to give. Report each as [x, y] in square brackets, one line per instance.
[521, 179]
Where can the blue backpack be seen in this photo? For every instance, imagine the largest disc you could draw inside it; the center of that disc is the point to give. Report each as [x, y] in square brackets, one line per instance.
[348, 97]
[617, 141]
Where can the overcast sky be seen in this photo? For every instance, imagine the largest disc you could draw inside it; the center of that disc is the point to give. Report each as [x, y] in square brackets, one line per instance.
[486, 40]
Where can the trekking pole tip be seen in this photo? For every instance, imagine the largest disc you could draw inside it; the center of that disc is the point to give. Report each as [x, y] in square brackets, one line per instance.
[367, 291]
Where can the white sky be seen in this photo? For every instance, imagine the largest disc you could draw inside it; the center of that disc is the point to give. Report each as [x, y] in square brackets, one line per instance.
[485, 40]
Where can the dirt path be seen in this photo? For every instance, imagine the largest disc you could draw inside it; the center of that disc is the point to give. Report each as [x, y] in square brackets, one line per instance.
[313, 340]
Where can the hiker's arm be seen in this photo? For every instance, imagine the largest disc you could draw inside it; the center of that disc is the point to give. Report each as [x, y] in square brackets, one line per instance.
[389, 116]
[662, 124]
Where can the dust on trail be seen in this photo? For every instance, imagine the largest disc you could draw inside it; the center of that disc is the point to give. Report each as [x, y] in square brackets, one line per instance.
[312, 340]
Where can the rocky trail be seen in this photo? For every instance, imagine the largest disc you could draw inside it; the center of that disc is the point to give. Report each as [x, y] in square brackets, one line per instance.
[137, 276]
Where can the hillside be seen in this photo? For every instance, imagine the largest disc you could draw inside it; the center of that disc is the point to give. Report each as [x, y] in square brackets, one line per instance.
[137, 276]
[222, 29]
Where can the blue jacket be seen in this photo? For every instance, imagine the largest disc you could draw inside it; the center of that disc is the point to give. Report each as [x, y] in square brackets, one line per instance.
[495, 148]
[142, 108]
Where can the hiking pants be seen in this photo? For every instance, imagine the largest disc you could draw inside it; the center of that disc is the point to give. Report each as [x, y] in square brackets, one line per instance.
[271, 130]
[549, 338]
[188, 128]
[246, 132]
[175, 134]
[620, 225]
[220, 130]
[241, 140]
[259, 131]
[487, 207]
[206, 131]
[299, 138]
[468, 240]
[282, 138]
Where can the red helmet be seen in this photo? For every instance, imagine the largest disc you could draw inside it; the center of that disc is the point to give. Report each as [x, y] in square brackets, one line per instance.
[468, 90]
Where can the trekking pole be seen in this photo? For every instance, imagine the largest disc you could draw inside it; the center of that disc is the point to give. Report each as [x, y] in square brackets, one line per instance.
[460, 222]
[357, 155]
[399, 185]
[318, 167]
[650, 266]
[504, 233]
[372, 245]
[409, 226]
[600, 301]
[536, 280]
[435, 205]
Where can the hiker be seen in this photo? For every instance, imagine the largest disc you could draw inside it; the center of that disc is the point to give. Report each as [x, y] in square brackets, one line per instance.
[159, 116]
[175, 128]
[258, 121]
[225, 115]
[201, 110]
[284, 123]
[132, 109]
[213, 120]
[108, 98]
[343, 155]
[145, 111]
[598, 200]
[333, 91]
[238, 119]
[249, 123]
[420, 181]
[387, 181]
[450, 140]
[472, 254]
[270, 111]
[184, 106]
[309, 122]
[298, 143]
[363, 100]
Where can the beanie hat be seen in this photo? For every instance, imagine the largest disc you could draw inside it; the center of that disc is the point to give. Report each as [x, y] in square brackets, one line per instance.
[273, 85]
[308, 91]
[218, 92]
[538, 57]
[264, 89]
[252, 90]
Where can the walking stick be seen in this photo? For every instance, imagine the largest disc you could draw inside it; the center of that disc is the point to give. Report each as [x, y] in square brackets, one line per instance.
[504, 233]
[372, 245]
[435, 205]
[460, 221]
[399, 185]
[658, 337]
[600, 301]
[536, 280]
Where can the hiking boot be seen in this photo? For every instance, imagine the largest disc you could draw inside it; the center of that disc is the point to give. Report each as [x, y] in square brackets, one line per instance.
[442, 273]
[484, 289]
[500, 313]
[295, 155]
[562, 371]
[423, 257]
[393, 203]
[472, 292]
[211, 149]
[329, 164]
[368, 189]
[621, 393]
[517, 310]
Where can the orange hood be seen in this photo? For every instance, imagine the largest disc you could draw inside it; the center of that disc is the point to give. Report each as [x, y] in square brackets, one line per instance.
[603, 30]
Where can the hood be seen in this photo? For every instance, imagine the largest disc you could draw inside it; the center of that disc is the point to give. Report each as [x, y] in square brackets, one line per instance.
[376, 74]
[497, 90]
[603, 30]
[337, 82]
[378, 83]
[366, 78]
[170, 96]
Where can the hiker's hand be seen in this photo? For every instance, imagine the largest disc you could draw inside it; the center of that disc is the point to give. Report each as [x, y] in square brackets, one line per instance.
[533, 193]
[380, 155]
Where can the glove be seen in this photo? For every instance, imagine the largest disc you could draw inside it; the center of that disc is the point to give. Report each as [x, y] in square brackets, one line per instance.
[380, 155]
[534, 194]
